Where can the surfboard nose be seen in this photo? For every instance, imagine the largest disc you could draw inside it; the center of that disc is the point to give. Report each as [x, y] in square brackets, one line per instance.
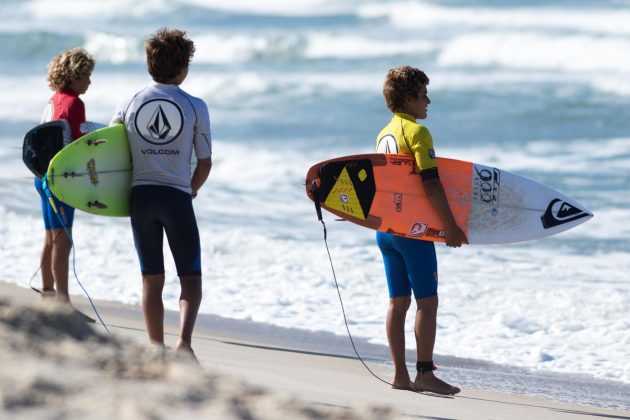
[565, 213]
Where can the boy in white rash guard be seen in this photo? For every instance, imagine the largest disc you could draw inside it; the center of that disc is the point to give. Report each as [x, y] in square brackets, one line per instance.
[164, 125]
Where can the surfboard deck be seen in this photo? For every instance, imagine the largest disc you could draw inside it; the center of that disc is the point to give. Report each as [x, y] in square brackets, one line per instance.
[93, 173]
[384, 192]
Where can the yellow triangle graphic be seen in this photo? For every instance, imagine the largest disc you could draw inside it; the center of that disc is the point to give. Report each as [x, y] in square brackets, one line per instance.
[343, 197]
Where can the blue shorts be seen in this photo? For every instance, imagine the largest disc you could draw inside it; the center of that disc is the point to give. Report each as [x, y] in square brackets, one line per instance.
[51, 220]
[410, 264]
[156, 210]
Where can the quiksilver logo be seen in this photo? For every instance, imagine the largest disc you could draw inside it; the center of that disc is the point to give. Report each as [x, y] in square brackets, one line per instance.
[559, 212]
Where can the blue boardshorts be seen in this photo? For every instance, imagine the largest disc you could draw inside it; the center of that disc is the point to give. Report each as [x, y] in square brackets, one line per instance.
[410, 264]
[156, 210]
[65, 215]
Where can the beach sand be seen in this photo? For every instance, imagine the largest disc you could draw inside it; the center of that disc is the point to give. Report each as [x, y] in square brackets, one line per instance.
[55, 365]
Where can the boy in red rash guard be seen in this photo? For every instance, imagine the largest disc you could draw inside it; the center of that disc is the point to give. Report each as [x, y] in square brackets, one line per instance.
[69, 76]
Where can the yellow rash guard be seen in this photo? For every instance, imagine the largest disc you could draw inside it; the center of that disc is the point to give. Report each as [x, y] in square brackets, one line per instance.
[403, 135]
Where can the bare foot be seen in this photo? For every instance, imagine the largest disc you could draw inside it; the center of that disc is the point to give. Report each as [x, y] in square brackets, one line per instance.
[428, 382]
[409, 386]
[83, 316]
[403, 384]
[48, 294]
[158, 350]
[184, 348]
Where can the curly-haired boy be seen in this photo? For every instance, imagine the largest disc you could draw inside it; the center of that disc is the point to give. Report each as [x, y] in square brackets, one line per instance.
[69, 76]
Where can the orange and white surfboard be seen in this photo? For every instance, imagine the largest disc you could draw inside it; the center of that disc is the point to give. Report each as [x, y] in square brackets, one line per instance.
[384, 192]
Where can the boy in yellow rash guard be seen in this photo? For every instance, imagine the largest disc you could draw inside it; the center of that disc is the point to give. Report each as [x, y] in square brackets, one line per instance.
[410, 264]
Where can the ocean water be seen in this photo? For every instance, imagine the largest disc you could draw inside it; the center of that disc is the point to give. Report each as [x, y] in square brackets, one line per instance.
[540, 88]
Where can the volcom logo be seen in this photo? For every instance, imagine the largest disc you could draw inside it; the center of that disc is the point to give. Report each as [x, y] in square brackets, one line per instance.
[559, 212]
[159, 126]
[159, 121]
[387, 144]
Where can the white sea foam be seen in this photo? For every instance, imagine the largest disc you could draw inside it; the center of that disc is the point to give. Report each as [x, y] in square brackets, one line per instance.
[276, 7]
[327, 45]
[612, 84]
[422, 15]
[229, 48]
[33, 98]
[45, 12]
[238, 48]
[544, 156]
[551, 38]
[115, 49]
[532, 50]
[548, 309]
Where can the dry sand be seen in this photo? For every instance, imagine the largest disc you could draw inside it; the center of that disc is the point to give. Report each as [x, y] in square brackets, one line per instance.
[56, 366]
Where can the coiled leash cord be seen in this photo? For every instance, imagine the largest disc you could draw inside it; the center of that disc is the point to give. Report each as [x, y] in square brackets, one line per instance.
[74, 268]
[315, 194]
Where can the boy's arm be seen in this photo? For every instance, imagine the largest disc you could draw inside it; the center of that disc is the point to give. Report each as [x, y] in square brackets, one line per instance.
[202, 170]
[455, 237]
[202, 143]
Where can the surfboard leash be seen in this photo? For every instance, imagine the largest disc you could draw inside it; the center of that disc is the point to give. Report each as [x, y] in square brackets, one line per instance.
[74, 270]
[74, 266]
[30, 282]
[318, 208]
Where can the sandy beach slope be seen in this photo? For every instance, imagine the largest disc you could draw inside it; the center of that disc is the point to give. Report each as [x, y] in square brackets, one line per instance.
[54, 365]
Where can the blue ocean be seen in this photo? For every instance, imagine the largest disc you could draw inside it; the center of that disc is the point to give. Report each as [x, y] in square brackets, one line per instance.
[540, 88]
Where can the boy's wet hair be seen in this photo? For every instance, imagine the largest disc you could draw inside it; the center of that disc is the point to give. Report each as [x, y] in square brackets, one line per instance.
[169, 51]
[69, 66]
[402, 83]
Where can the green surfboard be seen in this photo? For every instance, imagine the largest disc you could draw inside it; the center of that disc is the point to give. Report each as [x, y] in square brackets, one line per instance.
[93, 173]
